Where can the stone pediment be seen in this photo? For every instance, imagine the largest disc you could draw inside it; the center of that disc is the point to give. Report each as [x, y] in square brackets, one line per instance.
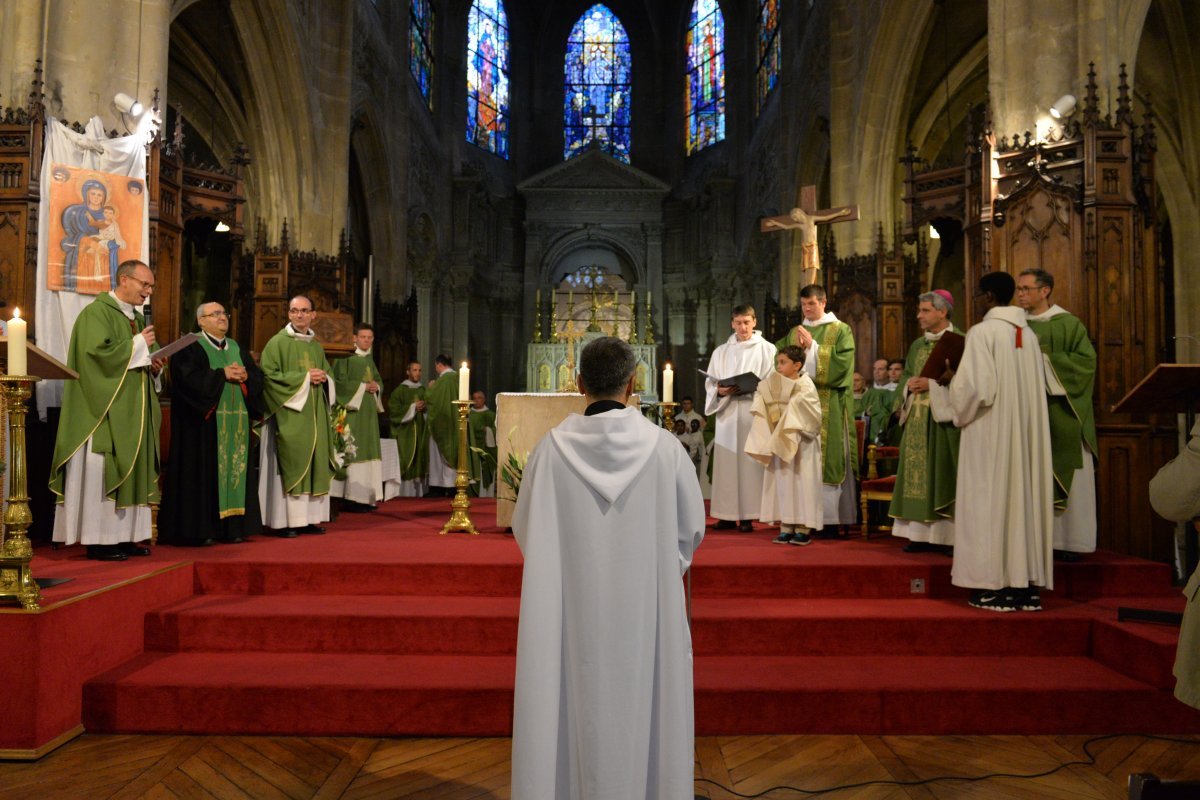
[594, 170]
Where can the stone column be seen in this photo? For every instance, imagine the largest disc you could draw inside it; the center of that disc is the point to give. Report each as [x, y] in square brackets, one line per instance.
[92, 52]
[20, 48]
[1039, 51]
[460, 296]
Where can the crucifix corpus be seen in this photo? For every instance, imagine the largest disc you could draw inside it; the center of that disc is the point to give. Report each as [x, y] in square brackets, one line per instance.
[805, 219]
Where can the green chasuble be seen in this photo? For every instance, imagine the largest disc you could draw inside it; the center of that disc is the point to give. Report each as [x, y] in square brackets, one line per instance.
[1064, 340]
[348, 376]
[835, 386]
[443, 416]
[114, 405]
[233, 427]
[927, 476]
[878, 403]
[304, 438]
[412, 437]
[483, 470]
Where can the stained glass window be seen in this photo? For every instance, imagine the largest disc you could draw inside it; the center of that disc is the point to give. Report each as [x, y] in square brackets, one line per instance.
[487, 76]
[705, 101]
[420, 47]
[596, 85]
[768, 50]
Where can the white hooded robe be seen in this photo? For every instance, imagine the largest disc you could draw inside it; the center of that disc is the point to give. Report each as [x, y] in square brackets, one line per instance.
[608, 516]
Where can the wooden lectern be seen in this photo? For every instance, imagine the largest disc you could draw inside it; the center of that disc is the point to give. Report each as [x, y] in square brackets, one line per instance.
[16, 577]
[1169, 389]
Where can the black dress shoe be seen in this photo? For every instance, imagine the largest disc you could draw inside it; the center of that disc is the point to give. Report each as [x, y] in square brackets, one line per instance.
[198, 543]
[313, 529]
[724, 525]
[287, 533]
[235, 540]
[1067, 557]
[920, 547]
[746, 526]
[133, 549]
[105, 552]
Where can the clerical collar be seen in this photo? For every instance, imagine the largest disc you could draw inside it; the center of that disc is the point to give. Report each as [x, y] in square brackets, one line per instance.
[1049, 313]
[600, 406]
[825, 319]
[933, 337]
[295, 334]
[479, 410]
[889, 386]
[126, 308]
[358, 352]
[217, 343]
[412, 384]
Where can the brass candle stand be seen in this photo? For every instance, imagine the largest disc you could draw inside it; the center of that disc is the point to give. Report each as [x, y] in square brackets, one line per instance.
[460, 506]
[16, 553]
[668, 415]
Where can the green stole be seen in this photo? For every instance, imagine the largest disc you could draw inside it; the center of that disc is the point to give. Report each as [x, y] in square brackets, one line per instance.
[412, 437]
[304, 438]
[835, 388]
[1064, 339]
[348, 374]
[927, 476]
[443, 416]
[233, 429]
[113, 405]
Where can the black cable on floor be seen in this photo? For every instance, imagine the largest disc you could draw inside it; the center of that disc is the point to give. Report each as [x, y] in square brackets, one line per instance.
[1090, 761]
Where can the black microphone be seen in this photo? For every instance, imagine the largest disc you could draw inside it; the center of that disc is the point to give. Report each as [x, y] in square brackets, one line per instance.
[146, 313]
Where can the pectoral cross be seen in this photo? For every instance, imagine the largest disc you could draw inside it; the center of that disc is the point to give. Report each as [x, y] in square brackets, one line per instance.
[805, 219]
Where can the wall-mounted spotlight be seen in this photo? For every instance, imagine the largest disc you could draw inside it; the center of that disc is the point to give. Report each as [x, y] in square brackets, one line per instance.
[221, 227]
[1063, 107]
[128, 105]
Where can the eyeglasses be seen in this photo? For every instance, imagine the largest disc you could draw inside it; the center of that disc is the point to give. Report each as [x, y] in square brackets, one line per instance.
[300, 311]
[145, 284]
[216, 314]
[1027, 289]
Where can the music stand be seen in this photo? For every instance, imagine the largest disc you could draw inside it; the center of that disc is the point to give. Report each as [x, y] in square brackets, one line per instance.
[1169, 389]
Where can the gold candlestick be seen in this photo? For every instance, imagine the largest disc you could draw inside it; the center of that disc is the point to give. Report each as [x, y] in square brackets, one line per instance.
[648, 330]
[537, 318]
[16, 578]
[668, 415]
[460, 506]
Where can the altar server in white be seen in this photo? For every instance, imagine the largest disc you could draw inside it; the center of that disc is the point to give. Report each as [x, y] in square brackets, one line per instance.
[608, 516]
[737, 478]
[1004, 511]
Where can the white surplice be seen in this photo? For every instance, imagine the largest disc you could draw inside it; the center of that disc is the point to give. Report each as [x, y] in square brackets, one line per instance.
[608, 516]
[785, 436]
[737, 478]
[1004, 510]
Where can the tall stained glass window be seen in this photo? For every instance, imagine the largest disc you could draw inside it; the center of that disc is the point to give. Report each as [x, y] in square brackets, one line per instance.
[596, 85]
[705, 101]
[487, 76]
[768, 50]
[420, 46]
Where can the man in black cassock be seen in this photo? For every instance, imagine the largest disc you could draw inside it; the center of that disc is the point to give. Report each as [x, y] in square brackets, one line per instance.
[210, 494]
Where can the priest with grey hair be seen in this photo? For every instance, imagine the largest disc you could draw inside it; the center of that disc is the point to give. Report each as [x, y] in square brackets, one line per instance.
[608, 516]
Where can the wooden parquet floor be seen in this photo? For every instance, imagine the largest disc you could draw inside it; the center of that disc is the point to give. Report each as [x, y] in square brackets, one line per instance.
[293, 768]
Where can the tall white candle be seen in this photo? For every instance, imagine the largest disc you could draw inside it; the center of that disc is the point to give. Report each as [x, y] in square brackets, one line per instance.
[17, 355]
[668, 384]
[464, 382]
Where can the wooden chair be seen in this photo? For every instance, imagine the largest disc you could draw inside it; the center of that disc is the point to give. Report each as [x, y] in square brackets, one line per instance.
[874, 487]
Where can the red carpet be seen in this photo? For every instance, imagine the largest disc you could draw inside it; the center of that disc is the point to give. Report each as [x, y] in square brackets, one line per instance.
[383, 627]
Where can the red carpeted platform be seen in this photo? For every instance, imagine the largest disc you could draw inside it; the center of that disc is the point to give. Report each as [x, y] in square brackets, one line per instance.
[384, 627]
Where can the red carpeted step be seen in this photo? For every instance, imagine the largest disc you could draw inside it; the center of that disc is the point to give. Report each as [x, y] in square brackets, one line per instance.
[1144, 651]
[284, 693]
[303, 694]
[391, 624]
[395, 576]
[753, 626]
[915, 695]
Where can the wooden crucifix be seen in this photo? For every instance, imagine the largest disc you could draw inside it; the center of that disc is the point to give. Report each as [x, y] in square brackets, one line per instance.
[806, 218]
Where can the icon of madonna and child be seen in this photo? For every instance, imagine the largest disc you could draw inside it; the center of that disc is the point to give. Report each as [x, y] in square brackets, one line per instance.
[96, 218]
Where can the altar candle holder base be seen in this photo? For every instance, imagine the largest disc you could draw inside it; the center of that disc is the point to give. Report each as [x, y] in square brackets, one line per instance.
[16, 553]
[668, 415]
[460, 506]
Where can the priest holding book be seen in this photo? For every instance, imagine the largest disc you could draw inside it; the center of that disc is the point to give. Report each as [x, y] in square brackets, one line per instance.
[737, 478]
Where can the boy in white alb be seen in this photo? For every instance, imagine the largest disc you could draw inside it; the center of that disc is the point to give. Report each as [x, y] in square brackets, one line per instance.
[785, 435]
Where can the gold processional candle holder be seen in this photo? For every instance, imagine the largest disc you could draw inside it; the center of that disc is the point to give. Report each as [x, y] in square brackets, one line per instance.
[668, 415]
[16, 553]
[460, 506]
